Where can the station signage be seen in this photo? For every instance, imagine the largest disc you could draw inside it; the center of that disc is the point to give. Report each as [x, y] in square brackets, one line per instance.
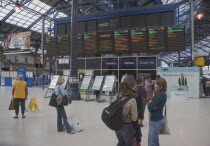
[150, 62]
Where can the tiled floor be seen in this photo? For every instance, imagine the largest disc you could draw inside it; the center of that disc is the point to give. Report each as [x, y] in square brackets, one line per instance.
[189, 121]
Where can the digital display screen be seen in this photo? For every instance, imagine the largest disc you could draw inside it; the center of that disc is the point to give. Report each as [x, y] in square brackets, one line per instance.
[90, 42]
[176, 38]
[157, 39]
[64, 45]
[52, 46]
[105, 42]
[139, 40]
[80, 45]
[121, 39]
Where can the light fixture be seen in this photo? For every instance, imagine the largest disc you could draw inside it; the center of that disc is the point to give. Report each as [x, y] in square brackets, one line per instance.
[17, 6]
[200, 15]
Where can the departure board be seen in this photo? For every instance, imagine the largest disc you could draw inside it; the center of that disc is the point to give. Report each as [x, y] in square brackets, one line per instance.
[139, 40]
[176, 38]
[90, 42]
[157, 39]
[80, 45]
[64, 45]
[105, 42]
[121, 40]
[52, 46]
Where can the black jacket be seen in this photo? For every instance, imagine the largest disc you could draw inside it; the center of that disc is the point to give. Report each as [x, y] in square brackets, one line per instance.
[140, 103]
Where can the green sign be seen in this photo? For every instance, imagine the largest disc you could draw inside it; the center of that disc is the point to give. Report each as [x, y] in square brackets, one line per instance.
[85, 83]
[109, 83]
[97, 83]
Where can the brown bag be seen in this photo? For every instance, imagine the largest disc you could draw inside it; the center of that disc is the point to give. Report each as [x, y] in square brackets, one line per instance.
[12, 104]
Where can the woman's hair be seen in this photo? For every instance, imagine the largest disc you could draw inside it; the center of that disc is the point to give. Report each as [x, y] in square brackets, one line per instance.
[148, 77]
[162, 84]
[126, 87]
[158, 76]
[139, 81]
[60, 81]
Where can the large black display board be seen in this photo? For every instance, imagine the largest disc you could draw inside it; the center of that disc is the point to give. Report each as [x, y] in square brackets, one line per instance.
[121, 39]
[176, 38]
[139, 40]
[51, 46]
[80, 45]
[157, 39]
[105, 42]
[64, 45]
[90, 44]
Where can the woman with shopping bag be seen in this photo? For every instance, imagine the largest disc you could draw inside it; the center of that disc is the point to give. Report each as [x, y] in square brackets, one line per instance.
[60, 92]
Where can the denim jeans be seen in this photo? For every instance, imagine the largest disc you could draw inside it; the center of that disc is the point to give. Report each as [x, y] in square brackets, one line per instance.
[62, 115]
[154, 130]
[125, 135]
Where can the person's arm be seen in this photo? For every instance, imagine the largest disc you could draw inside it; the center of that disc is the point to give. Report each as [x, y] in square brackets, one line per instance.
[26, 91]
[62, 90]
[13, 90]
[134, 112]
[154, 103]
[179, 82]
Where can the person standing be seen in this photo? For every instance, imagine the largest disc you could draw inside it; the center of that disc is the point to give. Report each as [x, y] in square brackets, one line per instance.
[60, 89]
[20, 94]
[203, 81]
[125, 135]
[182, 80]
[155, 108]
[140, 106]
[148, 88]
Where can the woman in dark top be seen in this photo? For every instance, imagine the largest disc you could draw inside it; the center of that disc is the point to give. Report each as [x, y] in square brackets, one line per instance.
[155, 108]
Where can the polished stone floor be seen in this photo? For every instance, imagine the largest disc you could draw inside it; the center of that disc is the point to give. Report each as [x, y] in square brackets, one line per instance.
[189, 122]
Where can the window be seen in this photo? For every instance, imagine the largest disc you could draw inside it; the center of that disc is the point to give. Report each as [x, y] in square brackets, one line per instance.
[26, 59]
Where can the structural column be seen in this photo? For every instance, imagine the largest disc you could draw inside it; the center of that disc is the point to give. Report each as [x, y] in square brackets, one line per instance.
[74, 92]
[192, 31]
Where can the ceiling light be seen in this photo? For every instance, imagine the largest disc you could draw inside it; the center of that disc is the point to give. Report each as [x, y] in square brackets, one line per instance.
[17, 6]
[200, 16]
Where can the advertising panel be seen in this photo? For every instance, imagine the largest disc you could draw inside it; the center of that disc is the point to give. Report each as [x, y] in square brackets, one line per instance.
[18, 40]
[181, 81]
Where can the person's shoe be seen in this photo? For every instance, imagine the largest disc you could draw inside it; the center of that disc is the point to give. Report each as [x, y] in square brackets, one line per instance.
[61, 130]
[15, 117]
[72, 132]
[23, 117]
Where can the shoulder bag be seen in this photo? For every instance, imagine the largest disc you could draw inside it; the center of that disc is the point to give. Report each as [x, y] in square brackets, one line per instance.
[62, 100]
[165, 130]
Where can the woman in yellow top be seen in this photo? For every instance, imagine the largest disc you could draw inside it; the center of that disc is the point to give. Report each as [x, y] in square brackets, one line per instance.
[20, 93]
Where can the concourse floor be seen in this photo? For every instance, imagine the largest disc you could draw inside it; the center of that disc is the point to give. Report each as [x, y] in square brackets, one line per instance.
[189, 122]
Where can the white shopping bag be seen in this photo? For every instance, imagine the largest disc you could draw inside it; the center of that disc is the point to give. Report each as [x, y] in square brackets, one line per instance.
[75, 124]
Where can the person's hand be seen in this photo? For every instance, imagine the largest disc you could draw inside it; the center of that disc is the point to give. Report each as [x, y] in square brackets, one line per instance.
[26, 97]
[139, 121]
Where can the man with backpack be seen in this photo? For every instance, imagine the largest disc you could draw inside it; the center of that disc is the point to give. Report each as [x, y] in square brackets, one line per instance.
[121, 114]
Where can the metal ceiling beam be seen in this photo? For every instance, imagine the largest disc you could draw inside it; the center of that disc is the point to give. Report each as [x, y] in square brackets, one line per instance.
[11, 12]
[39, 19]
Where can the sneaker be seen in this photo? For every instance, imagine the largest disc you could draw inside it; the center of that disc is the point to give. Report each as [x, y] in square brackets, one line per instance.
[23, 117]
[61, 130]
[72, 132]
[15, 117]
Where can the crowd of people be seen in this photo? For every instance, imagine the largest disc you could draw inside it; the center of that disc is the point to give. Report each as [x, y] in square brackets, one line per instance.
[141, 93]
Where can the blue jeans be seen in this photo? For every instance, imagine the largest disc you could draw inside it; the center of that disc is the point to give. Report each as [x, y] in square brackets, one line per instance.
[62, 115]
[154, 130]
[125, 135]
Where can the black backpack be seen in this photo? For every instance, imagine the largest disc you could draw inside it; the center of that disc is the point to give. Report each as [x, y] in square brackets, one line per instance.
[112, 115]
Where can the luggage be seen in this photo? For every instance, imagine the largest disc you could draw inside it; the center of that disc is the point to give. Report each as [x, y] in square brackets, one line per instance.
[112, 115]
[12, 104]
[75, 124]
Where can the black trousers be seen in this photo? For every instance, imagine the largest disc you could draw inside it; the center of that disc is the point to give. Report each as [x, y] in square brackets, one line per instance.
[17, 104]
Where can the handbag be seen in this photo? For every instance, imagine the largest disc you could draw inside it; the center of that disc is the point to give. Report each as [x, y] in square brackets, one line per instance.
[165, 130]
[12, 104]
[53, 101]
[62, 100]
